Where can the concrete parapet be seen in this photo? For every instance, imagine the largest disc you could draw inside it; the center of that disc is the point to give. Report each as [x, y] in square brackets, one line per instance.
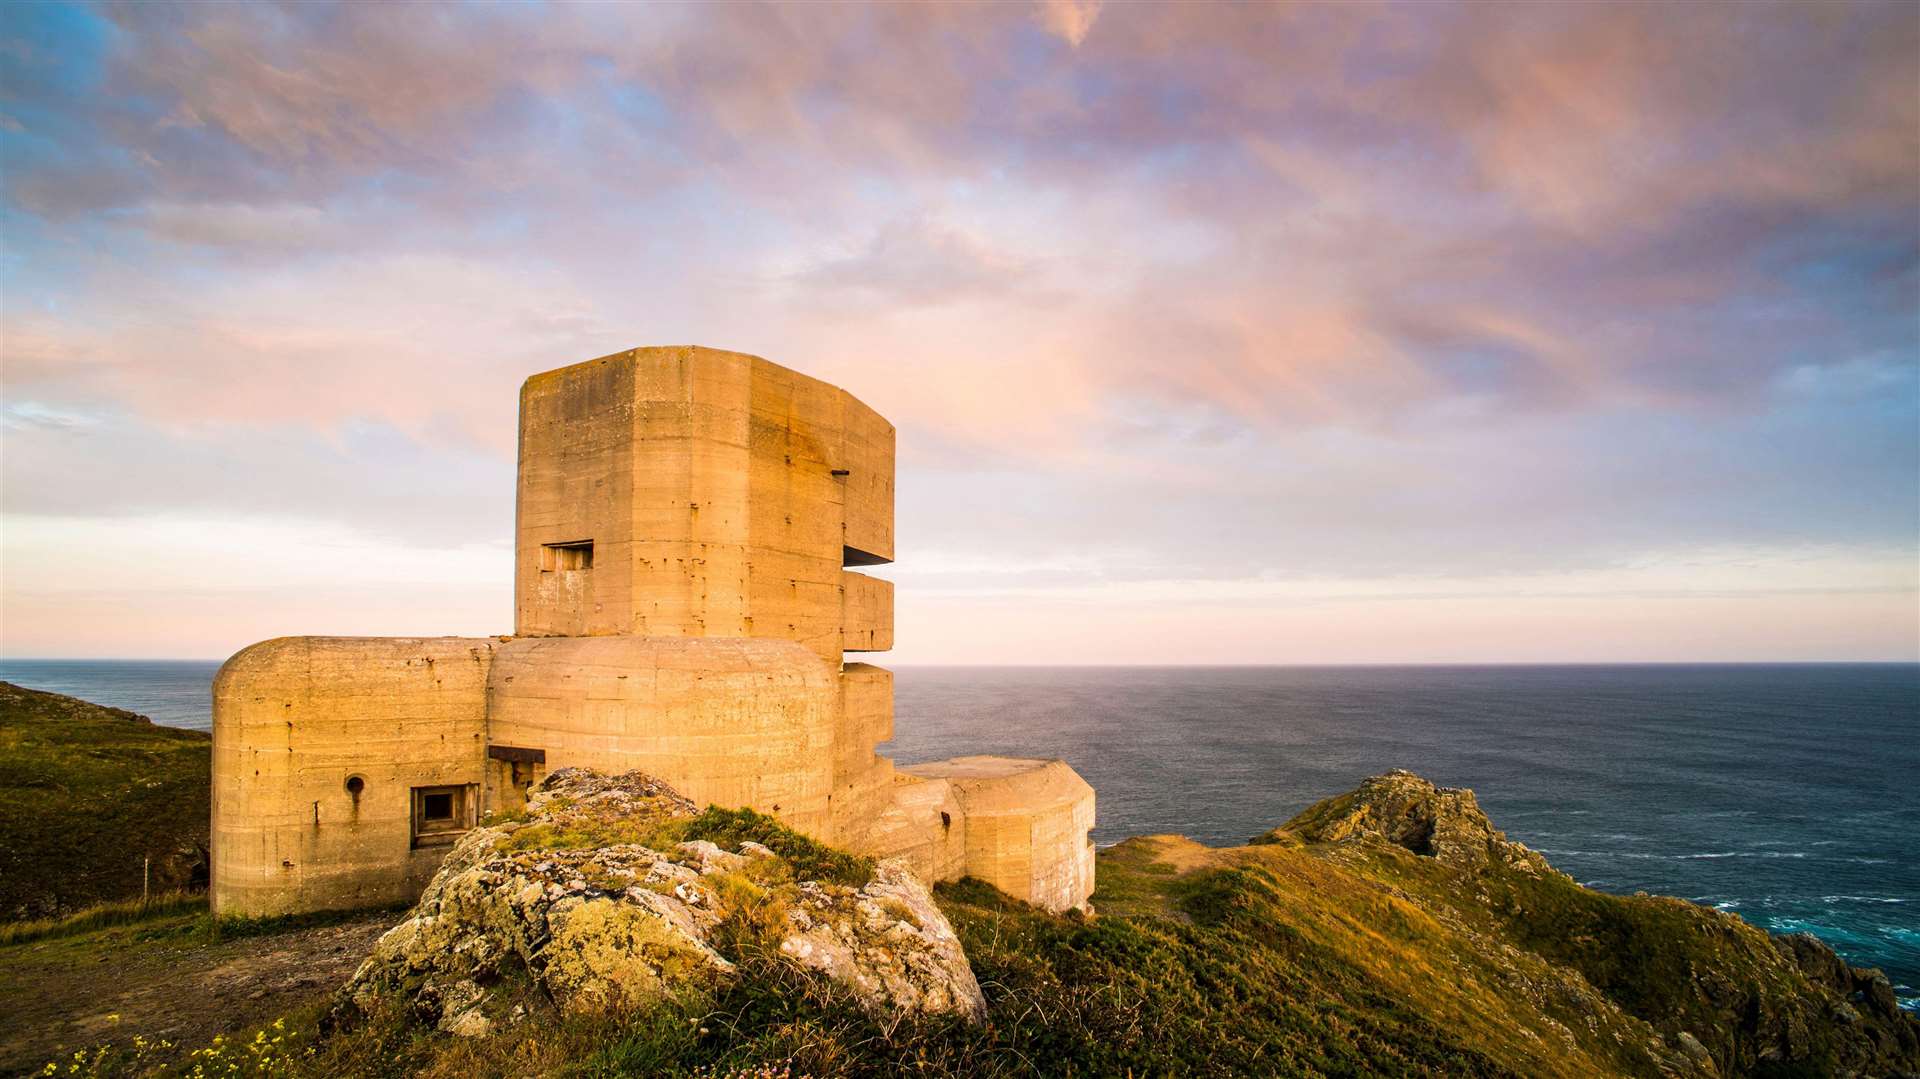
[1026, 825]
[861, 778]
[866, 613]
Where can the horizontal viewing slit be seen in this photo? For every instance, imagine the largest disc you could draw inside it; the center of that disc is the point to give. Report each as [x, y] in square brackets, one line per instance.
[854, 556]
[572, 555]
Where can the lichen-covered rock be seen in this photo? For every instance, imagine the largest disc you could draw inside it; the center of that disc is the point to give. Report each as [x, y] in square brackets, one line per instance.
[886, 941]
[601, 899]
[1401, 808]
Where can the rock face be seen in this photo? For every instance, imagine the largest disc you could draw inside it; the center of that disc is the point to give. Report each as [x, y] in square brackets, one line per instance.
[606, 898]
[1403, 809]
[886, 940]
[1862, 992]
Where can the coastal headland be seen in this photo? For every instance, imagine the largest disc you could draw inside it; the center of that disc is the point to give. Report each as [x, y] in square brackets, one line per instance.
[1390, 930]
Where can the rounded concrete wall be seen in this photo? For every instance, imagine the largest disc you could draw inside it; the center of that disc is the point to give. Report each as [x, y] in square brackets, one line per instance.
[727, 721]
[296, 718]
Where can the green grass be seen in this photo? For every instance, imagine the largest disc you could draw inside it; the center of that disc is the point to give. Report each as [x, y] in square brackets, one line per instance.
[101, 805]
[726, 828]
[163, 913]
[1283, 959]
[1224, 984]
[230, 926]
[809, 859]
[102, 916]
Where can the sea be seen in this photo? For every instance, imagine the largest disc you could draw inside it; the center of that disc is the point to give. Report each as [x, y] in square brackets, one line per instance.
[1788, 794]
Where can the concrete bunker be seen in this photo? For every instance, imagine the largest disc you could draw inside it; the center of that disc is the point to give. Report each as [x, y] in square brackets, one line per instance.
[682, 606]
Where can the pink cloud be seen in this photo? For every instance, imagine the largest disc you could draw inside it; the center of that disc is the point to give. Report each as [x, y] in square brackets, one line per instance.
[1296, 214]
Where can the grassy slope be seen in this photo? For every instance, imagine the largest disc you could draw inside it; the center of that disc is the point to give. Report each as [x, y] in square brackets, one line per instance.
[1287, 958]
[1254, 961]
[1676, 965]
[89, 792]
[1209, 976]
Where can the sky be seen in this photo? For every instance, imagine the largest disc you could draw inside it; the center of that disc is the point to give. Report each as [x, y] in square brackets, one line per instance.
[1317, 333]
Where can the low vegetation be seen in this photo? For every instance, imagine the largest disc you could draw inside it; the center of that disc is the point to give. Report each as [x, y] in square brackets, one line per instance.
[728, 828]
[102, 915]
[102, 805]
[1390, 931]
[1291, 957]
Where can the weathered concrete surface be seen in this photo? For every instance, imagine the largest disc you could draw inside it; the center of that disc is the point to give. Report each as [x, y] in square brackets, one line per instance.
[921, 823]
[295, 719]
[722, 495]
[1026, 825]
[731, 722]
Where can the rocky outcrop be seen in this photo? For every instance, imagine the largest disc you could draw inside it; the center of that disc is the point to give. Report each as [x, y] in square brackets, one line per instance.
[1445, 823]
[606, 897]
[1860, 993]
[1723, 997]
[886, 940]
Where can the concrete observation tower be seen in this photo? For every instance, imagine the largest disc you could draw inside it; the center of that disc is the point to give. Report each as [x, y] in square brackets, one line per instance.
[683, 606]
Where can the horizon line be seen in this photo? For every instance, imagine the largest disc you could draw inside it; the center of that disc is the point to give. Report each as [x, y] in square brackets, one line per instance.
[1912, 662]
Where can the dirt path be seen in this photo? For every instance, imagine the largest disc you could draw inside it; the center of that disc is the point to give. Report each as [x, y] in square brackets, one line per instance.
[161, 980]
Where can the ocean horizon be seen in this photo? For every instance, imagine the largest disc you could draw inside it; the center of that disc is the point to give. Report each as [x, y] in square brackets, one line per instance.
[1781, 792]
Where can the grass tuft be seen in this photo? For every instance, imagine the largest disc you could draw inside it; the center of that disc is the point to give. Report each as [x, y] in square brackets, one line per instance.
[810, 859]
[103, 916]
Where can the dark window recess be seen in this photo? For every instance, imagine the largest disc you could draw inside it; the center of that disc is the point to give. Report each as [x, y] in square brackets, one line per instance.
[518, 754]
[566, 557]
[853, 556]
[440, 814]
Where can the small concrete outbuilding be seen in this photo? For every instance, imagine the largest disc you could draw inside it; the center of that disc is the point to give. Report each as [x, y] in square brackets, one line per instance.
[682, 606]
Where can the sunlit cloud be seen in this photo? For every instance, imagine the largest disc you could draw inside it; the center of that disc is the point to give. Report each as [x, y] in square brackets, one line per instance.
[1153, 292]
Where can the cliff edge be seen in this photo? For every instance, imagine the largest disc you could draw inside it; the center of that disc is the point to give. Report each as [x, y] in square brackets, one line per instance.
[1390, 930]
[1700, 989]
[615, 928]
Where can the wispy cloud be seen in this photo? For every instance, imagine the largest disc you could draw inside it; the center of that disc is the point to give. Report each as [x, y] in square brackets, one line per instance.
[1406, 285]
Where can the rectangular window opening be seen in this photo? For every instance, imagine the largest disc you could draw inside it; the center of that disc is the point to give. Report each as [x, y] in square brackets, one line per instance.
[568, 557]
[441, 814]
